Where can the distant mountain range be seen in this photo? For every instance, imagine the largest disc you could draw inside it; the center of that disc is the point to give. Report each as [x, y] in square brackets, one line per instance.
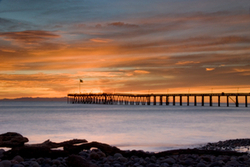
[37, 99]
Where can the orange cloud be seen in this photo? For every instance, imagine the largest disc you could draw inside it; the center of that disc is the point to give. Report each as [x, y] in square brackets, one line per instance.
[29, 36]
[8, 50]
[186, 62]
[141, 71]
[210, 69]
[122, 24]
[99, 40]
[243, 71]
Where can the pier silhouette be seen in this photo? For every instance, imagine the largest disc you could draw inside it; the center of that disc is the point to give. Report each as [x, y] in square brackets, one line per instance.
[151, 99]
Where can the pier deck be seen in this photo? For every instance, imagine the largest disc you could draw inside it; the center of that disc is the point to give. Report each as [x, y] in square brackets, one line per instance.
[163, 99]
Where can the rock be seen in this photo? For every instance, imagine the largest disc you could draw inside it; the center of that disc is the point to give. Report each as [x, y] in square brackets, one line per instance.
[137, 164]
[84, 154]
[147, 159]
[5, 163]
[12, 139]
[233, 163]
[188, 162]
[94, 155]
[48, 161]
[1, 153]
[243, 158]
[40, 160]
[78, 161]
[60, 166]
[122, 159]
[169, 161]
[34, 164]
[106, 165]
[164, 165]
[206, 158]
[201, 165]
[151, 165]
[18, 159]
[101, 154]
[110, 159]
[46, 165]
[117, 165]
[17, 165]
[215, 164]
[56, 162]
[153, 158]
[25, 163]
[117, 155]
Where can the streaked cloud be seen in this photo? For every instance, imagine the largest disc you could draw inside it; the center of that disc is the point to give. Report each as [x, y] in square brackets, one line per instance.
[99, 40]
[141, 71]
[210, 69]
[29, 37]
[187, 62]
[122, 24]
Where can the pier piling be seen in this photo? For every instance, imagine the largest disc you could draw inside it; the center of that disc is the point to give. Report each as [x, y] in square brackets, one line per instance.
[245, 101]
[180, 100]
[211, 100]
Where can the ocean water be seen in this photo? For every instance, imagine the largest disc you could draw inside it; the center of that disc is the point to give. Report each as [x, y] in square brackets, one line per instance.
[148, 128]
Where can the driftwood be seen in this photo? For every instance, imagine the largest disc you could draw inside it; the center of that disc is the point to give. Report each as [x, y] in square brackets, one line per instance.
[50, 144]
[16, 142]
[70, 147]
[12, 139]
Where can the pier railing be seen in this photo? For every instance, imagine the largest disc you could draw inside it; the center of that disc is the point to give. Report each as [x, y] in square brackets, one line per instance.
[163, 99]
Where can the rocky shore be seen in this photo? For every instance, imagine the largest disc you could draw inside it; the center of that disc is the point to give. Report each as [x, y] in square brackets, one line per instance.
[80, 153]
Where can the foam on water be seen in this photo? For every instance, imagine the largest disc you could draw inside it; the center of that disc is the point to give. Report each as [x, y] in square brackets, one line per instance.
[149, 128]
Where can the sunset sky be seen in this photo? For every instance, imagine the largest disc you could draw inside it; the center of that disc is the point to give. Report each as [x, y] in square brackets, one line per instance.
[135, 46]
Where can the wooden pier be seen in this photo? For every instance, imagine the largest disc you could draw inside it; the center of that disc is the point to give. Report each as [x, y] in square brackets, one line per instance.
[158, 99]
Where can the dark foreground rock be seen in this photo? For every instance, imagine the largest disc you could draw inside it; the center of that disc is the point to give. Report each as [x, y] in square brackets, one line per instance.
[96, 158]
[12, 139]
[80, 153]
[228, 145]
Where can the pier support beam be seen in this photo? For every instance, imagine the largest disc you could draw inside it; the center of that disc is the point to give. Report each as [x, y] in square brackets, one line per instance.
[187, 100]
[211, 100]
[195, 101]
[173, 100]
[180, 100]
[202, 100]
[154, 100]
[218, 101]
[246, 101]
[227, 101]
[160, 100]
[148, 100]
[237, 101]
[144, 100]
[131, 100]
[105, 100]
[167, 102]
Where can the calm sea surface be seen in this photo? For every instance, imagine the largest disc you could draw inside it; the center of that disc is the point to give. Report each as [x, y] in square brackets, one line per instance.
[149, 128]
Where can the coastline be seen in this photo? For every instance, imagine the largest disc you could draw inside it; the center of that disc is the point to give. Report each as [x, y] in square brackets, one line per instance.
[80, 153]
